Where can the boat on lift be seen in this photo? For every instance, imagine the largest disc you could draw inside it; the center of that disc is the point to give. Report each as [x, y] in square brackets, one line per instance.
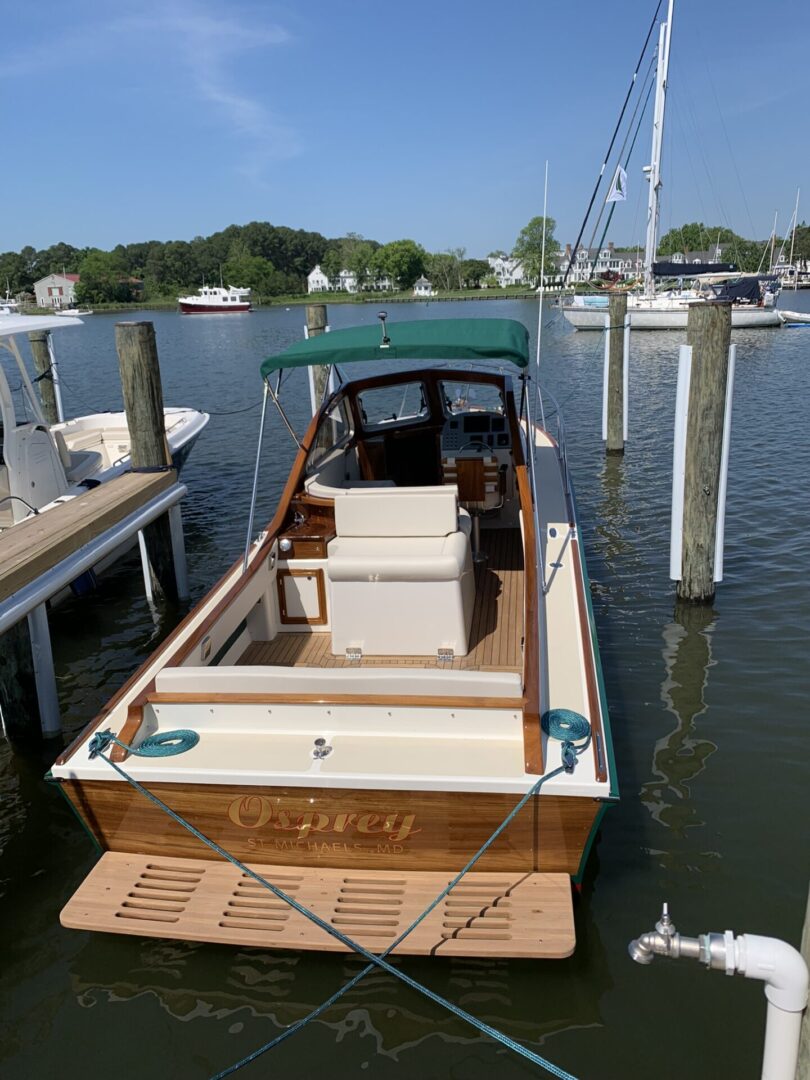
[43, 464]
[394, 667]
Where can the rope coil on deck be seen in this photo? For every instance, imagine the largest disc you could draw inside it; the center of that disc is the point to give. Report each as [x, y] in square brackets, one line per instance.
[165, 744]
[103, 739]
[567, 727]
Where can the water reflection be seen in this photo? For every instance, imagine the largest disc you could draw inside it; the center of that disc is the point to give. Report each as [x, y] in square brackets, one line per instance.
[680, 756]
[251, 995]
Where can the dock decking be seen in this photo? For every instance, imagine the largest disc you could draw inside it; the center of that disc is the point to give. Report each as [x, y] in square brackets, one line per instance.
[30, 548]
[495, 637]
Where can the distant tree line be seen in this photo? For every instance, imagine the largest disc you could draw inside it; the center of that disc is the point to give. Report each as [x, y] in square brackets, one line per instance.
[272, 260]
[748, 255]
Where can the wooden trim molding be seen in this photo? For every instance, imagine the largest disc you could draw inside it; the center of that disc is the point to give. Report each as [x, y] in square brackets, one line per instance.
[301, 620]
[324, 697]
[532, 736]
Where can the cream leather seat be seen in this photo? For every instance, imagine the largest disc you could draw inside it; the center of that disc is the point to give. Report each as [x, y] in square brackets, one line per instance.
[400, 573]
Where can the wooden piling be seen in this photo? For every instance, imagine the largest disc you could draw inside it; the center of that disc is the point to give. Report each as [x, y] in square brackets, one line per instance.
[316, 324]
[42, 364]
[709, 334]
[617, 309]
[143, 401]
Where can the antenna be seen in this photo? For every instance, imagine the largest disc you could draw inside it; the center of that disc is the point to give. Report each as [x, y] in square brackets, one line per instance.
[386, 340]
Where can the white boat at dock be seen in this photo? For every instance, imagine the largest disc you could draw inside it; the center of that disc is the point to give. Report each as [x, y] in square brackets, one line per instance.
[215, 300]
[789, 317]
[44, 464]
[403, 658]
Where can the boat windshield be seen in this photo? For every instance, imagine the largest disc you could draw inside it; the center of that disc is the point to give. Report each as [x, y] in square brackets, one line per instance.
[383, 405]
[460, 396]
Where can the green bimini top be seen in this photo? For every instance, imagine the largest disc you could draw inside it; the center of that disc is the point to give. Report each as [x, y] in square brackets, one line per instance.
[426, 339]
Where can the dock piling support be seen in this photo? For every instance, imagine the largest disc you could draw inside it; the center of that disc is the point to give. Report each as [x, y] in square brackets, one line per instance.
[708, 335]
[318, 376]
[18, 691]
[42, 355]
[143, 401]
[179, 552]
[39, 631]
[614, 421]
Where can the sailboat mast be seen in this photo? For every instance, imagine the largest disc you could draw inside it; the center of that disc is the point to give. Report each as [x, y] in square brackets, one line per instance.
[792, 242]
[653, 170]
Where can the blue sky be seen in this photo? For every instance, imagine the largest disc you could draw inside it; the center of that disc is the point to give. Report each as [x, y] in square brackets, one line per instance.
[430, 120]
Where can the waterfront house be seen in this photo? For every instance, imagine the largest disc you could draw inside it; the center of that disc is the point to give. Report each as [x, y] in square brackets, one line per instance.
[56, 290]
[422, 287]
[507, 270]
[317, 281]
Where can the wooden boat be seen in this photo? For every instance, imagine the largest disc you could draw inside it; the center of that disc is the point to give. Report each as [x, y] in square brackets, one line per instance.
[368, 683]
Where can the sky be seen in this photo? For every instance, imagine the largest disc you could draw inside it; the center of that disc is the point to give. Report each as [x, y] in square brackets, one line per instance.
[429, 120]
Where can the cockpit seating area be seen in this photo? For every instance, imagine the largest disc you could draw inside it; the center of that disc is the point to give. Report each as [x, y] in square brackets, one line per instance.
[400, 573]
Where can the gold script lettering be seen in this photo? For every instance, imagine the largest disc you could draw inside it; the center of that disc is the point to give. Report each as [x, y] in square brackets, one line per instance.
[251, 811]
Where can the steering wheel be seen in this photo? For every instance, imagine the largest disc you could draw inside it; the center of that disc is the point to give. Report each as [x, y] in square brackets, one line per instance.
[475, 444]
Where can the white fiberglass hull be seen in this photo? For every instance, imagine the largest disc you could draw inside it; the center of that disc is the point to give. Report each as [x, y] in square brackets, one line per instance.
[666, 318]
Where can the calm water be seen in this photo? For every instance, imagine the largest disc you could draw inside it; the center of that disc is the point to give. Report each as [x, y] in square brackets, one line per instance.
[709, 717]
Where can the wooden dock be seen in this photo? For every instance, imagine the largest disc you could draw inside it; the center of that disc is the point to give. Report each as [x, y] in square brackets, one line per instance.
[40, 543]
[45, 554]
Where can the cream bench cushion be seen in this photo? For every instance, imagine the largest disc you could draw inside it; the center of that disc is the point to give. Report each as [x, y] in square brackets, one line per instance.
[397, 512]
[410, 558]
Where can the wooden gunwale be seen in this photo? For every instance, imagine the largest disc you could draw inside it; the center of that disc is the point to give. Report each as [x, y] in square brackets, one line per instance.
[532, 739]
[421, 701]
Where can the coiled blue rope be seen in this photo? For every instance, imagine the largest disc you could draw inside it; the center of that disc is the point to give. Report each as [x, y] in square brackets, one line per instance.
[103, 739]
[162, 745]
[568, 727]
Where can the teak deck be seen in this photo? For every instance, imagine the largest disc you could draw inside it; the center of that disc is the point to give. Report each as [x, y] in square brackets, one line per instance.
[495, 636]
[486, 914]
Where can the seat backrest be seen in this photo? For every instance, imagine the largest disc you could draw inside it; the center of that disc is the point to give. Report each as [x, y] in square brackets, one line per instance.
[431, 511]
[477, 479]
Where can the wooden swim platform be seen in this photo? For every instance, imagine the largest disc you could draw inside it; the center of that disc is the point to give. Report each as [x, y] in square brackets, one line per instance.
[509, 914]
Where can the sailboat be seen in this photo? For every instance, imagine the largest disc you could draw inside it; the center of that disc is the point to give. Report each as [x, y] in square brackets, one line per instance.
[404, 659]
[753, 297]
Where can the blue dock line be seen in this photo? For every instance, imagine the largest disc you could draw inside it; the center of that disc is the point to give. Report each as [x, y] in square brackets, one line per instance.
[103, 739]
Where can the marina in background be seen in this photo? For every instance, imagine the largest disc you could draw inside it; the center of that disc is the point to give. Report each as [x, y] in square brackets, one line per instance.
[691, 686]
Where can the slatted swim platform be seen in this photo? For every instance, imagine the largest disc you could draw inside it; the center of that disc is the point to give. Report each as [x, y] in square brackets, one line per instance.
[509, 914]
[495, 636]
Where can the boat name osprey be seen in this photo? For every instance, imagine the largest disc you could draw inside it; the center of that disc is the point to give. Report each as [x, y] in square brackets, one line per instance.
[257, 812]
